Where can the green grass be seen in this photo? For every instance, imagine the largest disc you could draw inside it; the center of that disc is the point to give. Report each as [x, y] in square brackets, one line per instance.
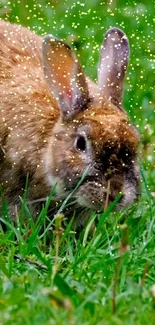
[48, 275]
[53, 277]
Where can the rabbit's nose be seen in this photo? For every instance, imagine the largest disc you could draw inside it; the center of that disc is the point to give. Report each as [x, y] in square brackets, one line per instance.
[112, 197]
[116, 187]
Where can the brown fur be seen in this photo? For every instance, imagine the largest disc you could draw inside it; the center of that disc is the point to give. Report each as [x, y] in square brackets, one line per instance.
[31, 129]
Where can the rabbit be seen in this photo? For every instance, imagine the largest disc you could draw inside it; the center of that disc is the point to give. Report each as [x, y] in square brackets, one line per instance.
[55, 124]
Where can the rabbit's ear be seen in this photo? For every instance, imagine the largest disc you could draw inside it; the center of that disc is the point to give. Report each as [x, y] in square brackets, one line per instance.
[113, 65]
[64, 76]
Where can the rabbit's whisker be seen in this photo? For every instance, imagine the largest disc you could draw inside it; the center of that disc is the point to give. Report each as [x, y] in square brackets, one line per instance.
[36, 201]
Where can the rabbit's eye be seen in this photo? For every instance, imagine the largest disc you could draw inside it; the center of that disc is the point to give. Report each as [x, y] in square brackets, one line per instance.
[80, 143]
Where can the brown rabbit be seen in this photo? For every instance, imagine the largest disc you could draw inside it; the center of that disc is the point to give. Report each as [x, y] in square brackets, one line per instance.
[55, 123]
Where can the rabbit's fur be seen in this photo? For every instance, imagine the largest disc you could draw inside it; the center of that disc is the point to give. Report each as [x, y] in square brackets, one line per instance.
[55, 123]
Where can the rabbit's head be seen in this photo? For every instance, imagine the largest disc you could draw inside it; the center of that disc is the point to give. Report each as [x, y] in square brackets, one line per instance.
[93, 132]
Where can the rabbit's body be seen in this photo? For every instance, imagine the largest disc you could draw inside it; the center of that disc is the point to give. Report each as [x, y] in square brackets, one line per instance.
[27, 111]
[56, 140]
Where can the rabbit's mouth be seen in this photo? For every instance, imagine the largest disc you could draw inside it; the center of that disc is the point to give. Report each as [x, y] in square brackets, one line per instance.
[95, 193]
[97, 196]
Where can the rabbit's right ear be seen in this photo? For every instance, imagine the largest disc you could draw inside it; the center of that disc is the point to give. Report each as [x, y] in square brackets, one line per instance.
[64, 76]
[113, 65]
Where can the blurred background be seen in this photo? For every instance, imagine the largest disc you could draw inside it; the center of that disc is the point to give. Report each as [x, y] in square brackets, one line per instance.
[83, 25]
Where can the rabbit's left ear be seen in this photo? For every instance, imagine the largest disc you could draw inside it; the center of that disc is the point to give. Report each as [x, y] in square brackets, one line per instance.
[113, 65]
[64, 76]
